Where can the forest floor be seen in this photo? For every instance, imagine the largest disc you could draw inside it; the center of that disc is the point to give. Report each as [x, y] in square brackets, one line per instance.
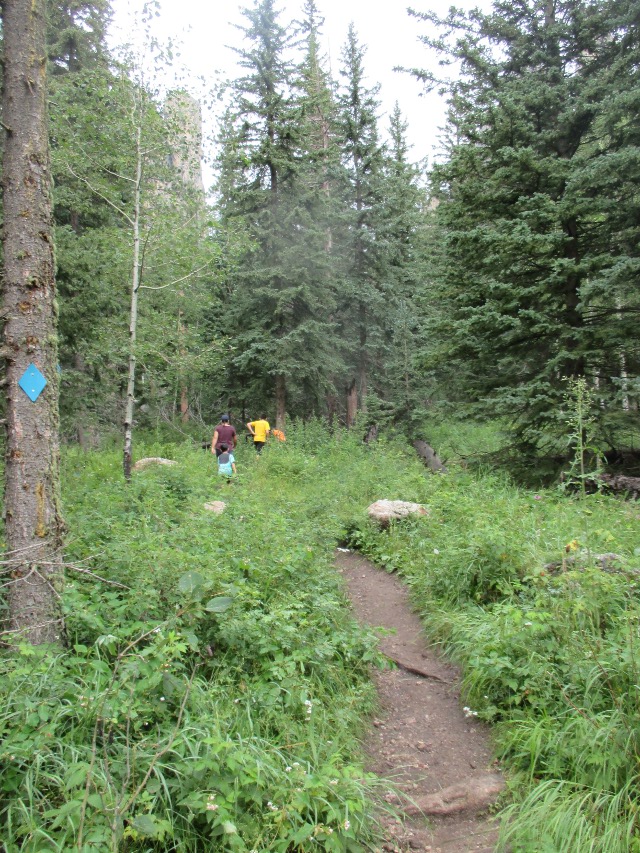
[436, 757]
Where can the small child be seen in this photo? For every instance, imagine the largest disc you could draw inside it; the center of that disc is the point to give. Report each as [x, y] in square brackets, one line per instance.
[226, 462]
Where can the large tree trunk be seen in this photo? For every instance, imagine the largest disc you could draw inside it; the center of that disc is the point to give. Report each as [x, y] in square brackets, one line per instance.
[352, 404]
[34, 524]
[281, 401]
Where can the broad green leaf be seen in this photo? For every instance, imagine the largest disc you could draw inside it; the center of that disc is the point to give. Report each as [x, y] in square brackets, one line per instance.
[146, 825]
[219, 604]
[190, 582]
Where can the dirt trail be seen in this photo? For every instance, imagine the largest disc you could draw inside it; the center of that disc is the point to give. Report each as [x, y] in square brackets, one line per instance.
[422, 740]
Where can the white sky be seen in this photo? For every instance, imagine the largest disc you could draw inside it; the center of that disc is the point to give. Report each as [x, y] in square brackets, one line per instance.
[204, 28]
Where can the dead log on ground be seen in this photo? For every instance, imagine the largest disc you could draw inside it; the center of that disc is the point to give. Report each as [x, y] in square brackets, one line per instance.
[621, 483]
[429, 457]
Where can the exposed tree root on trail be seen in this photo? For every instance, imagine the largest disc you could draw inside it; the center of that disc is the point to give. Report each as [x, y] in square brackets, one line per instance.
[434, 753]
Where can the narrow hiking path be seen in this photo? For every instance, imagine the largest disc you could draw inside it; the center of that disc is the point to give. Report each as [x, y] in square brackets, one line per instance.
[422, 740]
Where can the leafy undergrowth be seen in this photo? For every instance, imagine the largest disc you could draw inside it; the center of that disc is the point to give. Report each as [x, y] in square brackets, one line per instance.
[510, 582]
[213, 685]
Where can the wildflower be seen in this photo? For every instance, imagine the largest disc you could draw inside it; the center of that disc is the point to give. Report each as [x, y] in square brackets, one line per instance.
[272, 807]
[212, 807]
[162, 698]
[287, 770]
[571, 546]
[537, 497]
[333, 782]
[468, 712]
[347, 824]
[435, 551]
[528, 624]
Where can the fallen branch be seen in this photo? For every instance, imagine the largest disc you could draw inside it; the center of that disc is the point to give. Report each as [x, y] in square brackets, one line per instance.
[429, 457]
[414, 670]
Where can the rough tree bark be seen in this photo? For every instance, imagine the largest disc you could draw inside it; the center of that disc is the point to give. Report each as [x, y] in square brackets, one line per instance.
[352, 404]
[33, 518]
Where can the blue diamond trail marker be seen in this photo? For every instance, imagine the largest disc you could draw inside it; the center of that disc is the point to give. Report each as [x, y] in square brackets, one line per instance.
[32, 382]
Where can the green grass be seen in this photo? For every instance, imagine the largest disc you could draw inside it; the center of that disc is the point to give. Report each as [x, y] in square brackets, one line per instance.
[214, 684]
[213, 688]
[507, 582]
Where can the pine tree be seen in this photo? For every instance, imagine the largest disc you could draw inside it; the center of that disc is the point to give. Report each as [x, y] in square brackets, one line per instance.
[402, 266]
[362, 299]
[76, 35]
[529, 248]
[273, 183]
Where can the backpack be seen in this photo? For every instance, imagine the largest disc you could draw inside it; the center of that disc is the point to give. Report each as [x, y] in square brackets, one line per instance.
[224, 464]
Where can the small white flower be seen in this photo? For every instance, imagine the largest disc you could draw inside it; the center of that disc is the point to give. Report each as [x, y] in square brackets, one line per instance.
[162, 698]
[528, 624]
[435, 551]
[469, 713]
[287, 770]
[333, 782]
[212, 807]
[347, 824]
[308, 703]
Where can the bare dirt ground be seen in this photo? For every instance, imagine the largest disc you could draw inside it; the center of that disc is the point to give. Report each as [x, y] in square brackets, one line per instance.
[436, 756]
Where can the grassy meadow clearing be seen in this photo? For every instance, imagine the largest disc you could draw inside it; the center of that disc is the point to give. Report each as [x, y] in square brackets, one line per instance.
[214, 686]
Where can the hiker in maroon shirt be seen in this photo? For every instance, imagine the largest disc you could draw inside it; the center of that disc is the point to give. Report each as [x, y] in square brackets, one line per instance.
[224, 434]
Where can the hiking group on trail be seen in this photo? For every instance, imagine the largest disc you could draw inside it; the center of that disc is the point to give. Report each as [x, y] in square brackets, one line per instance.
[225, 440]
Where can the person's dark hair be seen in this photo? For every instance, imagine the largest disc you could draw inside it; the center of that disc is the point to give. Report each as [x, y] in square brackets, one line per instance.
[224, 418]
[224, 447]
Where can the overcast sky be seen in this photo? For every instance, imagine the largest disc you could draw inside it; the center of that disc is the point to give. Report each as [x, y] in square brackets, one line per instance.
[205, 29]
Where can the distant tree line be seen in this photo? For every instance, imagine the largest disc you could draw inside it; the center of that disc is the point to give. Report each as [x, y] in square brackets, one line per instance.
[332, 275]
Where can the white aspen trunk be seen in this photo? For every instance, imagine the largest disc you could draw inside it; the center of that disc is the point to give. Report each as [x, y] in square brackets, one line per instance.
[623, 369]
[133, 315]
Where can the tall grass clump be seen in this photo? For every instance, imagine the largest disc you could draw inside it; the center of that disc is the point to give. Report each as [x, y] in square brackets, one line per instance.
[535, 595]
[212, 687]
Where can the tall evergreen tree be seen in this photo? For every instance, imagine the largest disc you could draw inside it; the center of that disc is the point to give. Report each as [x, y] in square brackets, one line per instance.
[402, 265]
[362, 299]
[530, 244]
[273, 185]
[76, 35]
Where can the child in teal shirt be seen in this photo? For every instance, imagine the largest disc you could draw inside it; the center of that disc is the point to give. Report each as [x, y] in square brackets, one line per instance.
[226, 462]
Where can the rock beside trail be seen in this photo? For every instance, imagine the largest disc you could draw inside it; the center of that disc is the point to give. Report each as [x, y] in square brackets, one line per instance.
[383, 512]
[152, 460]
[474, 794]
[215, 506]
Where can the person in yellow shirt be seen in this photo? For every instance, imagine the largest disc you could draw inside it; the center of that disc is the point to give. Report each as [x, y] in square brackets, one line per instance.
[259, 429]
